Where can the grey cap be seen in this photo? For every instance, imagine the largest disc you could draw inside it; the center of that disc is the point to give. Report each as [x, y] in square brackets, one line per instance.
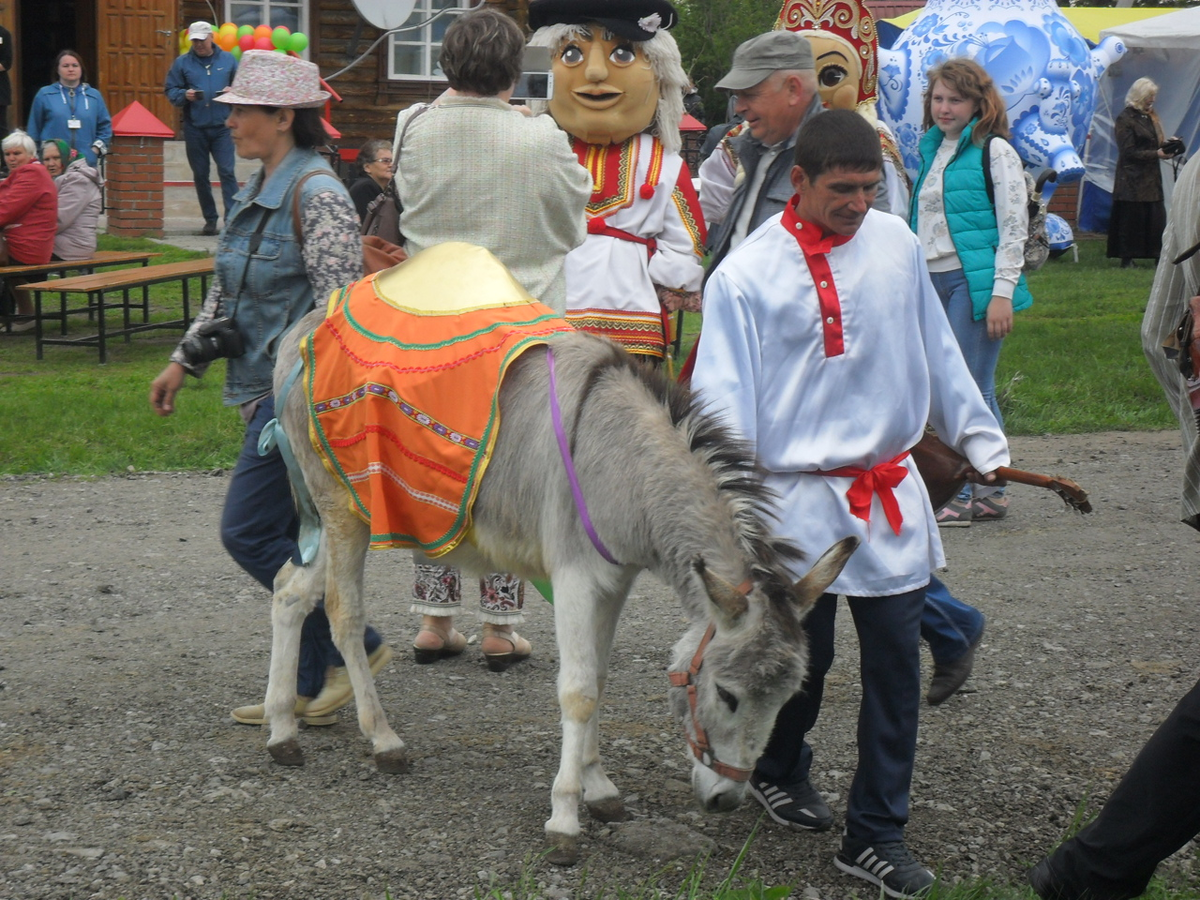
[758, 57]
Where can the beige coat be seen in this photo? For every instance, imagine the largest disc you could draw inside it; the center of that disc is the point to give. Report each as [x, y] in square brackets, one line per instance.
[476, 170]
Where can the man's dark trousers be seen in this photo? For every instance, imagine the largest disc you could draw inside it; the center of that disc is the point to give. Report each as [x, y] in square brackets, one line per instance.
[889, 647]
[201, 143]
[1153, 812]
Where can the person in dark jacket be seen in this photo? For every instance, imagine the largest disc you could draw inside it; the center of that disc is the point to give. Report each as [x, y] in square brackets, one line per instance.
[194, 81]
[1138, 214]
[375, 159]
[6, 62]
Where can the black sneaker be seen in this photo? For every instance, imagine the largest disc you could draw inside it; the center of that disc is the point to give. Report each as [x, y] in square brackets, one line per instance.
[794, 805]
[888, 865]
[209, 229]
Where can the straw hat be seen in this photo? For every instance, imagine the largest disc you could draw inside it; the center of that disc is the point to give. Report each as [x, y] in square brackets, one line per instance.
[267, 78]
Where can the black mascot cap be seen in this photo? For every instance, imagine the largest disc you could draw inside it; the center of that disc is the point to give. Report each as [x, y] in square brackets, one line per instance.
[634, 20]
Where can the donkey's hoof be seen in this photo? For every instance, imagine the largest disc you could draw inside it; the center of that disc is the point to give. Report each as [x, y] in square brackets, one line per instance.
[392, 762]
[287, 753]
[562, 849]
[610, 810]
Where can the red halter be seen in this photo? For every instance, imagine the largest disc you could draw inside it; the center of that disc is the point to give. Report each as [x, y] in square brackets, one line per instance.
[700, 746]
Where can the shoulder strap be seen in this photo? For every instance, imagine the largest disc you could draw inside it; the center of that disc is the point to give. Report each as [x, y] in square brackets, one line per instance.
[987, 169]
[421, 108]
[296, 227]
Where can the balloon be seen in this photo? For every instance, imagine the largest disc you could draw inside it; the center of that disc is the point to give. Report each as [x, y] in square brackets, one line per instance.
[227, 40]
[263, 31]
[246, 42]
[227, 28]
[184, 44]
[298, 42]
[280, 37]
[245, 30]
[263, 43]
[237, 53]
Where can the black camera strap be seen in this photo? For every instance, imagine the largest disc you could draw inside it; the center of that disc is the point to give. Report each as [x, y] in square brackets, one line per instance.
[255, 241]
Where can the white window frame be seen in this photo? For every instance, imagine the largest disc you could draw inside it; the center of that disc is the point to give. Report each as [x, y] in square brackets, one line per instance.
[419, 37]
[303, 6]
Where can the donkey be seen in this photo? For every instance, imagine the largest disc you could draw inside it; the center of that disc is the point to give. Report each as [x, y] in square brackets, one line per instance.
[668, 490]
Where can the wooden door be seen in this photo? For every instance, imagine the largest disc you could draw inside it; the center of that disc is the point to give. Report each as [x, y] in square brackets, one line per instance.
[135, 45]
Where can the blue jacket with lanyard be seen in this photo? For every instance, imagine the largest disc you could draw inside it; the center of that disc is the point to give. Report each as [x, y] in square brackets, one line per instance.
[971, 216]
[260, 267]
[76, 115]
[211, 74]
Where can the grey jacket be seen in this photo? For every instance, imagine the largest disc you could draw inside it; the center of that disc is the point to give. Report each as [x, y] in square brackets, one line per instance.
[79, 208]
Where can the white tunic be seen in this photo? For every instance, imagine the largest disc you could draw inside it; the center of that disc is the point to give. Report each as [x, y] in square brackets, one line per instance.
[762, 364]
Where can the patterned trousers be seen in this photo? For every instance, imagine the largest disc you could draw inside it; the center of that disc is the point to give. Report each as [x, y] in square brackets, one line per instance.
[438, 592]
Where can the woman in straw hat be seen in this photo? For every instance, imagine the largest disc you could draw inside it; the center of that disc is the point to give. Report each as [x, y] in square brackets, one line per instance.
[266, 278]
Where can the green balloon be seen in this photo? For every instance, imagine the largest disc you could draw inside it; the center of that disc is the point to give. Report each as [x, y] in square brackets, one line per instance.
[280, 37]
[245, 30]
[237, 52]
[298, 42]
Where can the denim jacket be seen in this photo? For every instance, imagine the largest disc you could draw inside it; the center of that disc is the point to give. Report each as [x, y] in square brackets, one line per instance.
[277, 290]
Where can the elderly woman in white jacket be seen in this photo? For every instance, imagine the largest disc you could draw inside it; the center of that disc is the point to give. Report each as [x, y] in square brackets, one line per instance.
[79, 201]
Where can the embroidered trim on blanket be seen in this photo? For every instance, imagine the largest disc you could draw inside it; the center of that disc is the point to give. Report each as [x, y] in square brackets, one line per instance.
[637, 332]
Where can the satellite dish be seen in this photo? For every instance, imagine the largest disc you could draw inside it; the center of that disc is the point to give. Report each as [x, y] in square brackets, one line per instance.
[385, 14]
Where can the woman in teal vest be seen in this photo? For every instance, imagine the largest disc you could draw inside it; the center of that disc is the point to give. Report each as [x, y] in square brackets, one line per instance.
[974, 246]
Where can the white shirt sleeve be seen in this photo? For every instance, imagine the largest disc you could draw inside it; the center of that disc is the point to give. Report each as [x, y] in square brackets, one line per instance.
[716, 185]
[1012, 216]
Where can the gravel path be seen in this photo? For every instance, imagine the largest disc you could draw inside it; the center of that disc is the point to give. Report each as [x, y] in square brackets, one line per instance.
[129, 635]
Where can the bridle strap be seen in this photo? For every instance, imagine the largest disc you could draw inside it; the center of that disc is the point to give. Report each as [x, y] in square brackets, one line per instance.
[701, 748]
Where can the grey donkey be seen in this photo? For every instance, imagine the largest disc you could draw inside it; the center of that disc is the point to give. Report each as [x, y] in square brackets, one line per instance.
[668, 490]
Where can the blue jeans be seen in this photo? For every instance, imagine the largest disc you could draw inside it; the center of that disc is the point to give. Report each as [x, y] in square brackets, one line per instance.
[890, 670]
[259, 528]
[201, 143]
[948, 625]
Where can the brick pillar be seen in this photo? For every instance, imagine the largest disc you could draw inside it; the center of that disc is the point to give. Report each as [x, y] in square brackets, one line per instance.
[135, 186]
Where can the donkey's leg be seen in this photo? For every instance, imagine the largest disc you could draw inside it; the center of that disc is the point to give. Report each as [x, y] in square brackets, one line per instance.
[297, 591]
[349, 538]
[581, 633]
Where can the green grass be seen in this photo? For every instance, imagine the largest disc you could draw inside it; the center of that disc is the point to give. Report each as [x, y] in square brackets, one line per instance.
[1072, 364]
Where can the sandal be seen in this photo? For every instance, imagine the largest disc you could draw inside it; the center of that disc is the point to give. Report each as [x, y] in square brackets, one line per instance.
[515, 648]
[451, 645]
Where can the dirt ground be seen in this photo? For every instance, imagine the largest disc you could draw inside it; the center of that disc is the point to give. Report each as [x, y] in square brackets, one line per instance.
[128, 635]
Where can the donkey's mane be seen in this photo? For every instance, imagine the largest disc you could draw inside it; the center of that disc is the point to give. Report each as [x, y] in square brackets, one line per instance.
[738, 475]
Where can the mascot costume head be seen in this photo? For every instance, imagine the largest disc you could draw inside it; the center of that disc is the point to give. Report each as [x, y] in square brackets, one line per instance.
[617, 70]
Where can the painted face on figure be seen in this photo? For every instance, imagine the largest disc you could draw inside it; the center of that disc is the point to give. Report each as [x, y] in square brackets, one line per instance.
[839, 71]
[604, 89]
[951, 110]
[52, 160]
[837, 199]
[70, 71]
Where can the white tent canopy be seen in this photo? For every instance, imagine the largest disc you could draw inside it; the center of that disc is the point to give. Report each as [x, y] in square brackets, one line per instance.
[1165, 49]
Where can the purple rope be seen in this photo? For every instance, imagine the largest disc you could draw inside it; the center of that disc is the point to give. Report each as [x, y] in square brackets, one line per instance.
[576, 490]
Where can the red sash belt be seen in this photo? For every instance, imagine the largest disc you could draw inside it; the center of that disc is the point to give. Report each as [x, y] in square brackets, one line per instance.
[598, 225]
[879, 480]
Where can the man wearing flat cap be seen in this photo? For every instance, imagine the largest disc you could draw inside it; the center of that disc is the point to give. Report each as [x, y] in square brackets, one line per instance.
[618, 91]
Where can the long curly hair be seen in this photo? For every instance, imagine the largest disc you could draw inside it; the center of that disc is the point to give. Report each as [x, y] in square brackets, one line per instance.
[663, 55]
[968, 79]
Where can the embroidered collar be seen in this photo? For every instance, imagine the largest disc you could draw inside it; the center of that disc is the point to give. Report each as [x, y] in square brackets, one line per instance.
[808, 235]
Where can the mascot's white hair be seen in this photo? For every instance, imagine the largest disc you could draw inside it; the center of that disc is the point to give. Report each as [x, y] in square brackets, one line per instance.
[663, 55]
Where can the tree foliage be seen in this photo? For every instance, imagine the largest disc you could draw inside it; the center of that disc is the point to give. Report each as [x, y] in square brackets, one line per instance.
[708, 32]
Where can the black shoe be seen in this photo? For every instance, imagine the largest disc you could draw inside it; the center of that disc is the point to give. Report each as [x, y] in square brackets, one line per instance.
[794, 805]
[1047, 886]
[209, 229]
[949, 677]
[1128, 264]
[888, 865]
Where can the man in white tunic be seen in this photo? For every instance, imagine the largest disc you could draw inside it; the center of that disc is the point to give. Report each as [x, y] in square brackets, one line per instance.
[826, 347]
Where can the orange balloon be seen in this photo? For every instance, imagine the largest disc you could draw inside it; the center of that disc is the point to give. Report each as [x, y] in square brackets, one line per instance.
[263, 31]
[227, 40]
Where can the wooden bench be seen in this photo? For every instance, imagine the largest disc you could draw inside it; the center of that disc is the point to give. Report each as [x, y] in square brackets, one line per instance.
[98, 287]
[61, 267]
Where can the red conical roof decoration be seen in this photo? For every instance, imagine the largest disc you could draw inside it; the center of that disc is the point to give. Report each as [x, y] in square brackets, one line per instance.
[137, 121]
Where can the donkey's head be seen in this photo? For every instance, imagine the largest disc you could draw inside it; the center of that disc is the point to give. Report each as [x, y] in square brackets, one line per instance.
[732, 674]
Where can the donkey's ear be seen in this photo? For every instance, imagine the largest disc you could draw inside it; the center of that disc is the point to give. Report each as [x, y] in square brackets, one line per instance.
[824, 572]
[728, 598]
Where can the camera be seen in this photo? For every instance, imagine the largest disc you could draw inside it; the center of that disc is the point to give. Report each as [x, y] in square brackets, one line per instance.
[199, 95]
[216, 339]
[537, 80]
[1173, 146]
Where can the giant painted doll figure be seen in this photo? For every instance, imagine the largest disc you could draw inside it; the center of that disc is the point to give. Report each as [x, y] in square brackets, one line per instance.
[618, 91]
[845, 50]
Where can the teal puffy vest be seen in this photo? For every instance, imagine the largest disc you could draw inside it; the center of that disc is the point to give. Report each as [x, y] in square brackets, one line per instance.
[971, 217]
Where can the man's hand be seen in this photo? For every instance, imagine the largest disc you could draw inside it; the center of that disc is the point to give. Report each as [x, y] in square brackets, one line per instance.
[164, 388]
[190, 93]
[999, 317]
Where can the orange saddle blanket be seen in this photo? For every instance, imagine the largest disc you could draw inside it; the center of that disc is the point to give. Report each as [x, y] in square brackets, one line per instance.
[402, 381]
